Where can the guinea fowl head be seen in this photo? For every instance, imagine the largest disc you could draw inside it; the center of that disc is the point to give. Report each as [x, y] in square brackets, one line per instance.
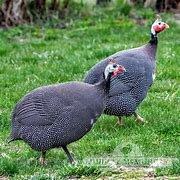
[158, 26]
[113, 69]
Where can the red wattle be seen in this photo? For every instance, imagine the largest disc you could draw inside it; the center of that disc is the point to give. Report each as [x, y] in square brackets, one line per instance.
[159, 28]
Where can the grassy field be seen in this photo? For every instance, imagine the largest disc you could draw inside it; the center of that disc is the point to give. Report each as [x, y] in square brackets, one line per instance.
[32, 56]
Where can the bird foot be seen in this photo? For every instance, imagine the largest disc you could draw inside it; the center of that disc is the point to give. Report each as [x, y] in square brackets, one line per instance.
[140, 120]
[42, 161]
[120, 122]
[74, 162]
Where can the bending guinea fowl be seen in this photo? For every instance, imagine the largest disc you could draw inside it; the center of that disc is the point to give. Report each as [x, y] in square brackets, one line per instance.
[129, 90]
[57, 115]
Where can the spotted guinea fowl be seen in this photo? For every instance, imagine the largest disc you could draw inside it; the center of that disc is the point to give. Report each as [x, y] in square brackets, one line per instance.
[56, 115]
[129, 90]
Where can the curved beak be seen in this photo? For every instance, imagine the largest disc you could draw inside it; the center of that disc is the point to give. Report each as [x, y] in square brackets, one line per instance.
[119, 70]
[166, 26]
[123, 69]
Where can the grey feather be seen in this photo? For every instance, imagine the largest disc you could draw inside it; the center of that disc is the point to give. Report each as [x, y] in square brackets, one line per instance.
[55, 115]
[128, 90]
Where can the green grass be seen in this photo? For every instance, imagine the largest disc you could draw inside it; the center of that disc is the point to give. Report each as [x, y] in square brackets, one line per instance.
[31, 56]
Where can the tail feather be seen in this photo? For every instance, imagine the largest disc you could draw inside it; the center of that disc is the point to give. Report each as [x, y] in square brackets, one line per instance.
[15, 128]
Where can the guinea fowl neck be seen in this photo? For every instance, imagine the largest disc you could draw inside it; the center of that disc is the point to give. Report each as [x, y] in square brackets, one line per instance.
[151, 47]
[154, 39]
[104, 85]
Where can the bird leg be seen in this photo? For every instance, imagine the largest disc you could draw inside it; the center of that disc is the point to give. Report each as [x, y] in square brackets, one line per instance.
[71, 160]
[120, 121]
[139, 119]
[42, 159]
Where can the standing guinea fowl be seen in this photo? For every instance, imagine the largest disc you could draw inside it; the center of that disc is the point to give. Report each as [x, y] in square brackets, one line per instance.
[56, 115]
[129, 90]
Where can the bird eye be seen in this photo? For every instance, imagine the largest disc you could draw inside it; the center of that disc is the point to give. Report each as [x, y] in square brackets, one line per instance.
[159, 23]
[114, 65]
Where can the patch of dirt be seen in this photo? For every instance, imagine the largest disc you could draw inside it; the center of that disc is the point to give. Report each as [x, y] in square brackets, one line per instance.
[4, 178]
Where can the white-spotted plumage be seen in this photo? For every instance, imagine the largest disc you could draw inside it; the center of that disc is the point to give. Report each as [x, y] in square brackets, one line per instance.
[130, 89]
[56, 115]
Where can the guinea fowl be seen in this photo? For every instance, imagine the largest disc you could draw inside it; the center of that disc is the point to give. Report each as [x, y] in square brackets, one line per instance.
[129, 90]
[54, 116]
